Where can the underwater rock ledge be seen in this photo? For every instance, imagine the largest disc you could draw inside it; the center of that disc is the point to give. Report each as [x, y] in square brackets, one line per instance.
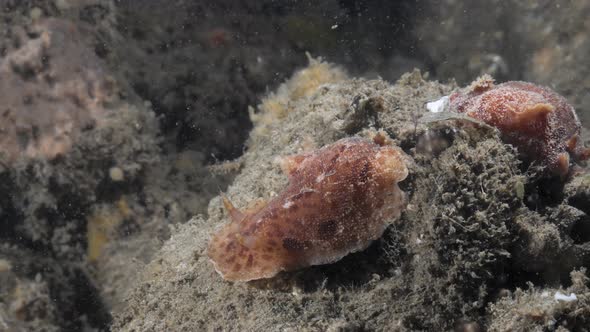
[479, 226]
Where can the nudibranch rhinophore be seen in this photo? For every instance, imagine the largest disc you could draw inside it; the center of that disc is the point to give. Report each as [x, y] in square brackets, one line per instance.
[339, 199]
[540, 123]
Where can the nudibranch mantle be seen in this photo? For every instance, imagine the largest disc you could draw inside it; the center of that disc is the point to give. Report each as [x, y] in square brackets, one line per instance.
[338, 200]
[540, 123]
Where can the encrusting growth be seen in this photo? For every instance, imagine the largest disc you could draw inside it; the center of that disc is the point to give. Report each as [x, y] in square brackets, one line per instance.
[339, 199]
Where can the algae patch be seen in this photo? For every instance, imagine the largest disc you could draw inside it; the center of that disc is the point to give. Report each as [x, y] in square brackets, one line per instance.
[302, 84]
[102, 225]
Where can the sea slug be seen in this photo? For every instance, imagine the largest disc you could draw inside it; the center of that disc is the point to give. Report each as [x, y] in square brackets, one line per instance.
[540, 123]
[339, 199]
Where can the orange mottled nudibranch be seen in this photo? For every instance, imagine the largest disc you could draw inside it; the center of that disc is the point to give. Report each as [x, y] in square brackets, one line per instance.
[339, 199]
[540, 123]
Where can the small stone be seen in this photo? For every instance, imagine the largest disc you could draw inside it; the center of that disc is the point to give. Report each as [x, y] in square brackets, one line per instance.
[468, 327]
[62, 4]
[439, 105]
[35, 13]
[5, 265]
[116, 174]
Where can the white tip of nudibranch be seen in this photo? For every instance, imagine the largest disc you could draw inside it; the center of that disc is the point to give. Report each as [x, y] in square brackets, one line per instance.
[438, 105]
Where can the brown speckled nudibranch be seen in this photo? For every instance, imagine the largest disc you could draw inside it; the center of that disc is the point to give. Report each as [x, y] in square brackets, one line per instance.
[540, 123]
[339, 199]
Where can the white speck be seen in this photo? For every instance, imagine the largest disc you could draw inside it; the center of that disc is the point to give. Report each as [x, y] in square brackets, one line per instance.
[545, 294]
[334, 26]
[438, 105]
[575, 115]
[296, 292]
[320, 178]
[559, 296]
[419, 239]
[287, 204]
[116, 174]
[181, 267]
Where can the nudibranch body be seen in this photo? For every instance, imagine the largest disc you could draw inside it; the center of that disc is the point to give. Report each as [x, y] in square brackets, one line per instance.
[339, 199]
[540, 123]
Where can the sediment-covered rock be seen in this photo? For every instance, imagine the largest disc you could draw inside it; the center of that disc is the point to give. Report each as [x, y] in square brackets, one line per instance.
[464, 239]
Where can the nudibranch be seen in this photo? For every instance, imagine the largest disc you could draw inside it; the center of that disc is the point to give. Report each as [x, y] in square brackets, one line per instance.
[540, 123]
[338, 200]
